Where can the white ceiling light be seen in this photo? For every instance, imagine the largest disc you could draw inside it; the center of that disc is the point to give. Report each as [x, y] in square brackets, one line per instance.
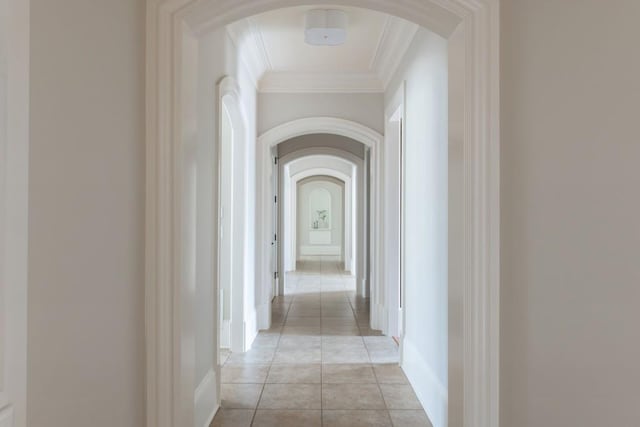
[325, 27]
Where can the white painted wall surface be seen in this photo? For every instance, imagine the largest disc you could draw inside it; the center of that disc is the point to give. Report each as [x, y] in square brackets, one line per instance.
[277, 108]
[305, 192]
[425, 301]
[570, 213]
[86, 355]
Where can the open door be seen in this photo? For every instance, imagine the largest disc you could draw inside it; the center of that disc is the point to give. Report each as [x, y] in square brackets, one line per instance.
[275, 186]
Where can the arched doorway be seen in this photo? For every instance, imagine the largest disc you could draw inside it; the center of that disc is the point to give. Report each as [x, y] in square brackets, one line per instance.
[173, 38]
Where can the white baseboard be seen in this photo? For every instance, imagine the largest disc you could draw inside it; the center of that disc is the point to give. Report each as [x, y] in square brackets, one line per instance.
[206, 400]
[225, 334]
[320, 250]
[430, 391]
[379, 318]
[250, 329]
[264, 316]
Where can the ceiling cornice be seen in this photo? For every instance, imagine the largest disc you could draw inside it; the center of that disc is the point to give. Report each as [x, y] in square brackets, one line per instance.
[253, 53]
[250, 48]
[290, 82]
[392, 47]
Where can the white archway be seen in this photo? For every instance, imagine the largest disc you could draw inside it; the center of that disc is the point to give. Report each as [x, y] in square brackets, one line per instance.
[307, 165]
[173, 28]
[267, 152]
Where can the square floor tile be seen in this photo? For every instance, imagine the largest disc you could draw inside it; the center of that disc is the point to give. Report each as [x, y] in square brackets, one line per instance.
[357, 418]
[348, 374]
[410, 419]
[254, 356]
[352, 396]
[400, 396]
[390, 374]
[240, 396]
[233, 418]
[286, 356]
[287, 418]
[291, 396]
[292, 374]
[244, 374]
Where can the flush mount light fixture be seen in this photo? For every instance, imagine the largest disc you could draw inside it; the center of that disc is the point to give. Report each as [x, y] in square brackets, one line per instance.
[325, 27]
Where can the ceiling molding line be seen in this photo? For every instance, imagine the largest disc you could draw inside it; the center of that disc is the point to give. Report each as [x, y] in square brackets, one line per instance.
[260, 44]
[288, 82]
[396, 39]
[249, 48]
[383, 36]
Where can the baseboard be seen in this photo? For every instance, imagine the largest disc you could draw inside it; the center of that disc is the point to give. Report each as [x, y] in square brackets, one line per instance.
[225, 334]
[264, 316]
[206, 400]
[430, 391]
[250, 329]
[320, 250]
[379, 318]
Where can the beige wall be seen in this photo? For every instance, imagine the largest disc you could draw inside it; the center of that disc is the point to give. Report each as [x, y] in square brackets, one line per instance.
[570, 213]
[86, 261]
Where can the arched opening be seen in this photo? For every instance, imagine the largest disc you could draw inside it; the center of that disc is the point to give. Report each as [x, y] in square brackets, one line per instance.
[175, 31]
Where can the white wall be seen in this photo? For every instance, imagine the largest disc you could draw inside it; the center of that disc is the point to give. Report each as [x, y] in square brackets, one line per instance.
[277, 108]
[86, 355]
[211, 70]
[335, 191]
[426, 147]
[570, 209]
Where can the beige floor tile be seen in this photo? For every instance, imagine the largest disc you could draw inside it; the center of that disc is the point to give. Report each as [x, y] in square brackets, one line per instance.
[400, 396]
[292, 374]
[291, 396]
[233, 418]
[351, 396]
[348, 374]
[240, 396]
[258, 356]
[410, 419]
[358, 418]
[306, 356]
[345, 356]
[287, 418]
[390, 374]
[244, 374]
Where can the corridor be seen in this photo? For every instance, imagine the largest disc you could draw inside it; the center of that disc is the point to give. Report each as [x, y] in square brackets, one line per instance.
[319, 364]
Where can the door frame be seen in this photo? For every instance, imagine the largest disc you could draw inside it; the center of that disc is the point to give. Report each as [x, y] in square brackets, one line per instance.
[14, 209]
[171, 27]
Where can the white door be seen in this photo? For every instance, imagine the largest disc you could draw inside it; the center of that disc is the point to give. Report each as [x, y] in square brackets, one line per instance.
[275, 185]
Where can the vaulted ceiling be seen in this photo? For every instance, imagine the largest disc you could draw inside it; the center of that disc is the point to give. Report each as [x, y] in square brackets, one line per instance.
[272, 47]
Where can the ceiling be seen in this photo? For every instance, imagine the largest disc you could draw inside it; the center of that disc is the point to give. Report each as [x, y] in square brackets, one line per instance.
[273, 48]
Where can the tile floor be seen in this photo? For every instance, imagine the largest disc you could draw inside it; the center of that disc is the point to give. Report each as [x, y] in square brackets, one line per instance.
[319, 364]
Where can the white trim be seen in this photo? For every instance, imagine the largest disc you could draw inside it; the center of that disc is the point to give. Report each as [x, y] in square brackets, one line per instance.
[297, 82]
[317, 250]
[205, 398]
[14, 209]
[426, 385]
[166, 20]
[311, 125]
[394, 42]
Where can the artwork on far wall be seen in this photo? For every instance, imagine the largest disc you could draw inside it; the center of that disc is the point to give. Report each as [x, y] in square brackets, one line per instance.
[320, 209]
[320, 219]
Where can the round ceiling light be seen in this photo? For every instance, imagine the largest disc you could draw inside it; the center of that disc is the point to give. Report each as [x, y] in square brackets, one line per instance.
[325, 27]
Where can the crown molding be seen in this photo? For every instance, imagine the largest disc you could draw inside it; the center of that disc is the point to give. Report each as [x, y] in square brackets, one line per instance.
[394, 42]
[250, 47]
[294, 82]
